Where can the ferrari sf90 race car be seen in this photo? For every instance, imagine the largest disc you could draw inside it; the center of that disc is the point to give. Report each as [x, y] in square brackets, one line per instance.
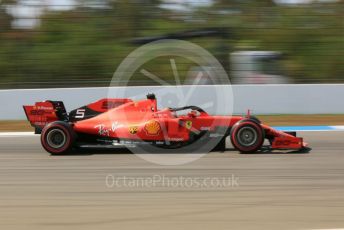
[122, 121]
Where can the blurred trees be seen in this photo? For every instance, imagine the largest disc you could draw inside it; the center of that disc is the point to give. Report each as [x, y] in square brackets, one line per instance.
[5, 19]
[83, 46]
[311, 36]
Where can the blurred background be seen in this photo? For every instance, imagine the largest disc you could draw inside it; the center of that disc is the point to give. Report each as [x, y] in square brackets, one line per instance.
[79, 43]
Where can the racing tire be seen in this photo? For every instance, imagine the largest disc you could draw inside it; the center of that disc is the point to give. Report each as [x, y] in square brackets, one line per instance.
[247, 136]
[58, 138]
[253, 118]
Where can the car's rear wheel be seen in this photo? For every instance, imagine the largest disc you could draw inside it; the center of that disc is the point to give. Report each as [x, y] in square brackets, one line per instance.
[58, 138]
[247, 136]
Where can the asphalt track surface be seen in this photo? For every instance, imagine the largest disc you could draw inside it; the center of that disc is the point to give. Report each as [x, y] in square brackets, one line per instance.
[271, 190]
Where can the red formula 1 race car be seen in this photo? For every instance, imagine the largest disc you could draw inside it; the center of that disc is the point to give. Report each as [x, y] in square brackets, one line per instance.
[111, 122]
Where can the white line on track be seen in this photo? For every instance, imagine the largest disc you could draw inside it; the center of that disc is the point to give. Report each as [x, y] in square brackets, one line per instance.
[340, 128]
[16, 134]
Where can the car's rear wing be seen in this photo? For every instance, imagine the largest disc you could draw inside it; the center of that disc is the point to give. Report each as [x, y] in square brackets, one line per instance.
[45, 112]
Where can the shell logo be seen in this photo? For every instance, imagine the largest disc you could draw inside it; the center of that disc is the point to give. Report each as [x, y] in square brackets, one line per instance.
[152, 128]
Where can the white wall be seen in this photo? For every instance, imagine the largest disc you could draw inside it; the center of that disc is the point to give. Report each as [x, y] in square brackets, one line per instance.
[261, 99]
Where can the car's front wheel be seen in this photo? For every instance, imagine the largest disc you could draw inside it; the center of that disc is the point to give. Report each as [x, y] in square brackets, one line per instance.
[247, 136]
[57, 137]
